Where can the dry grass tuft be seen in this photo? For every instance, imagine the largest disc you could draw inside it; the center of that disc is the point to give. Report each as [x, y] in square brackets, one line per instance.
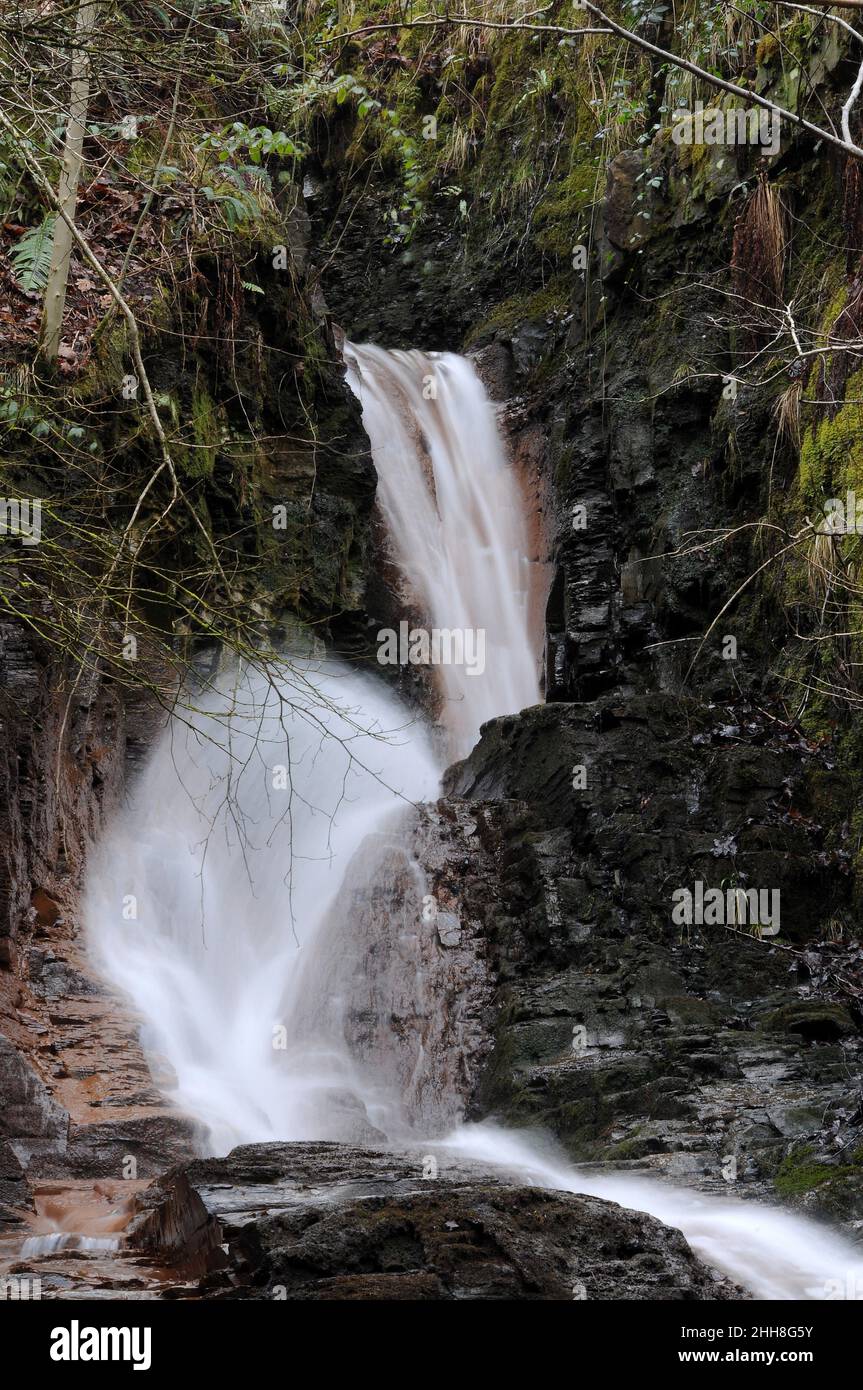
[786, 413]
[760, 244]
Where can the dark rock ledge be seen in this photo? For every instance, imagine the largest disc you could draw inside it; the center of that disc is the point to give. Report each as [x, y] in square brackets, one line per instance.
[327, 1221]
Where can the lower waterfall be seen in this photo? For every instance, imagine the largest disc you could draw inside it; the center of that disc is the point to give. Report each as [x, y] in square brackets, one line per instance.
[218, 901]
[772, 1253]
[230, 865]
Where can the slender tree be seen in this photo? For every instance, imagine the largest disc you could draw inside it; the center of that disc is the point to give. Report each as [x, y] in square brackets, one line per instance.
[67, 196]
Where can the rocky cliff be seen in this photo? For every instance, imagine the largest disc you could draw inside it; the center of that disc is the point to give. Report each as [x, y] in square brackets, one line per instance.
[600, 298]
[664, 756]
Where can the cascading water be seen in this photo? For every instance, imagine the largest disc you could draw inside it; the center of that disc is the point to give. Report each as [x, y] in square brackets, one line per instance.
[773, 1253]
[222, 902]
[232, 859]
[455, 524]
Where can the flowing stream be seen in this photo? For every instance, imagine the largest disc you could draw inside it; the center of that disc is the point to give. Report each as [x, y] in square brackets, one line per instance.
[223, 901]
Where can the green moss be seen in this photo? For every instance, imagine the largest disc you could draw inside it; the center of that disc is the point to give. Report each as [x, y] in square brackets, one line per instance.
[766, 50]
[556, 219]
[800, 1173]
[632, 1148]
[831, 457]
[168, 406]
[110, 348]
[518, 309]
[206, 433]
[836, 303]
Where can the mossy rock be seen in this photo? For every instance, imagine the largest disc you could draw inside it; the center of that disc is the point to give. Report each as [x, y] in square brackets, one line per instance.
[838, 1197]
[834, 1189]
[520, 310]
[831, 459]
[766, 49]
[207, 434]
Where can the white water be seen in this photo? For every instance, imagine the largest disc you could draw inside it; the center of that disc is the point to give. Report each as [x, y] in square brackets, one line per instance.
[65, 1240]
[771, 1252]
[233, 880]
[455, 522]
[238, 886]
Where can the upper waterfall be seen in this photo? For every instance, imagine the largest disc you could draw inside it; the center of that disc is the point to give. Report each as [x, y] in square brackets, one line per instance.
[455, 526]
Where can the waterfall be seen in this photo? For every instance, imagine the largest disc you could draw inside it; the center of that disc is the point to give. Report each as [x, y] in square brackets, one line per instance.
[224, 901]
[455, 525]
[206, 900]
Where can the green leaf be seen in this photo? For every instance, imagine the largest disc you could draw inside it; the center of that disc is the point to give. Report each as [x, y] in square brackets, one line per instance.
[31, 258]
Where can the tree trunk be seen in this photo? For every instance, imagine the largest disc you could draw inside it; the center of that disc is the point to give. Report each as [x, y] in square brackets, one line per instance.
[79, 96]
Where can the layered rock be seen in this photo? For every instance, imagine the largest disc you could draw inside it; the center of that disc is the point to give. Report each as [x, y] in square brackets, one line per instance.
[703, 1051]
[324, 1221]
[412, 965]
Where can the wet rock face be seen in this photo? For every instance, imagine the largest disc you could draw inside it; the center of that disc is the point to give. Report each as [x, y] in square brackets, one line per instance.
[631, 482]
[15, 1194]
[324, 1221]
[29, 1116]
[49, 811]
[703, 1051]
[410, 970]
[623, 230]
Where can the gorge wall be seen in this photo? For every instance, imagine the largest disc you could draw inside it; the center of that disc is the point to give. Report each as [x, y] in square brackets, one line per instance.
[593, 297]
[78, 1099]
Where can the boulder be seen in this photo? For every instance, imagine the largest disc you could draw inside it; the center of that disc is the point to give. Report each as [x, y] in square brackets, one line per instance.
[312, 1221]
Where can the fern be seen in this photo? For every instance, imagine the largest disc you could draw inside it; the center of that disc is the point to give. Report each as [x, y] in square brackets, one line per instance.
[31, 258]
[248, 176]
[236, 208]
